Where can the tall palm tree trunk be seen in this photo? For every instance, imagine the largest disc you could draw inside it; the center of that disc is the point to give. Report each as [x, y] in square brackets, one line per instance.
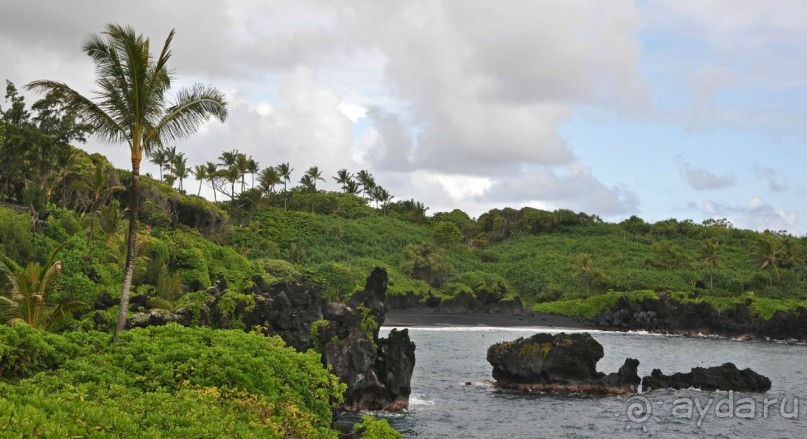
[92, 229]
[128, 270]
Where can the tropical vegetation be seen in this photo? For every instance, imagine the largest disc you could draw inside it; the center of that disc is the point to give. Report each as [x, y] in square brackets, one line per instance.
[76, 232]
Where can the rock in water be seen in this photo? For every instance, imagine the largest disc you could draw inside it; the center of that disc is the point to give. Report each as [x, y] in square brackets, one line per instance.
[559, 363]
[725, 377]
[377, 371]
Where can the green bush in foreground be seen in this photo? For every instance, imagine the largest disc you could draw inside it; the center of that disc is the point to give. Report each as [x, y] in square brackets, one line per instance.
[371, 428]
[167, 381]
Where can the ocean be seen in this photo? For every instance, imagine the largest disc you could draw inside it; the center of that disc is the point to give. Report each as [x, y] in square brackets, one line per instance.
[443, 405]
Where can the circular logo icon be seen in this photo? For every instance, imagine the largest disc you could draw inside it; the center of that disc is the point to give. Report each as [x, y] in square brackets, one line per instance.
[638, 409]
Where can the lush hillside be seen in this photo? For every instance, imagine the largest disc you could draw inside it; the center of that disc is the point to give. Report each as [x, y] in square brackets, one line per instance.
[63, 245]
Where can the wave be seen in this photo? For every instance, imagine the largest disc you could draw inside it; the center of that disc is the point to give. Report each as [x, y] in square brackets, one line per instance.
[549, 329]
[418, 399]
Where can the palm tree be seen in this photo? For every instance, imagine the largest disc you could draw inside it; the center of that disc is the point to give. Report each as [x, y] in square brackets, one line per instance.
[380, 195]
[352, 187]
[285, 172]
[584, 265]
[228, 160]
[199, 173]
[158, 156]
[710, 255]
[366, 181]
[343, 177]
[27, 299]
[98, 186]
[767, 254]
[242, 165]
[309, 180]
[230, 175]
[212, 176]
[252, 169]
[180, 170]
[268, 178]
[132, 106]
[170, 157]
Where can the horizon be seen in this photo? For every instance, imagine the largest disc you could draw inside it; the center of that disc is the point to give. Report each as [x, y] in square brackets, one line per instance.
[679, 109]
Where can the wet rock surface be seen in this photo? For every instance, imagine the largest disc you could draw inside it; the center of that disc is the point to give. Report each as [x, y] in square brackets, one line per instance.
[558, 363]
[568, 363]
[669, 315]
[377, 371]
[724, 377]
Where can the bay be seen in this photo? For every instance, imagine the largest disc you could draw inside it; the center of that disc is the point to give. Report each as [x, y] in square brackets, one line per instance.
[443, 406]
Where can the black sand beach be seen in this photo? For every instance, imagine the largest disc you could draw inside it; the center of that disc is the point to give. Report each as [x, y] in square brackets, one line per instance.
[423, 317]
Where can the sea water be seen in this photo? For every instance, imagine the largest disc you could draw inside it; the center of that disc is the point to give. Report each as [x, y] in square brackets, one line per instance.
[443, 405]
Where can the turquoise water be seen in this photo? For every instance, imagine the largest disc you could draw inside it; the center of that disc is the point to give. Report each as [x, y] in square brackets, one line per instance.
[443, 406]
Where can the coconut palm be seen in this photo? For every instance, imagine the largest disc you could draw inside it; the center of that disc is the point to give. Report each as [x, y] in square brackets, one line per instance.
[709, 253]
[171, 155]
[228, 160]
[768, 253]
[309, 181]
[132, 105]
[242, 165]
[380, 195]
[99, 186]
[352, 187]
[285, 173]
[27, 298]
[268, 179]
[343, 177]
[199, 173]
[366, 181]
[180, 170]
[158, 156]
[252, 169]
[212, 176]
[584, 267]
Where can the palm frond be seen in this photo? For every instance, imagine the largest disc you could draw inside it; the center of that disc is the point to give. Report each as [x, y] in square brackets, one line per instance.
[105, 127]
[192, 108]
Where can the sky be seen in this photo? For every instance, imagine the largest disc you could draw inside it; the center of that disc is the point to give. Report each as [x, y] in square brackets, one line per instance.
[686, 109]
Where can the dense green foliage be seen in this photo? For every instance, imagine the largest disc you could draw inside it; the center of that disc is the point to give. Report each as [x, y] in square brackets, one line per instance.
[162, 382]
[371, 428]
[197, 382]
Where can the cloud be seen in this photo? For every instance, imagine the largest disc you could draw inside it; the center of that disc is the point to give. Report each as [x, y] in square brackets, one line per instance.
[768, 174]
[755, 214]
[482, 88]
[703, 180]
[575, 187]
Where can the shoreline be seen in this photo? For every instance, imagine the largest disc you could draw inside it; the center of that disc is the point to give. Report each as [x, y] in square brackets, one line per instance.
[425, 318]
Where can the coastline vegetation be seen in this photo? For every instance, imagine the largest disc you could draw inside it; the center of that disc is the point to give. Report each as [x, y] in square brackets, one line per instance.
[80, 232]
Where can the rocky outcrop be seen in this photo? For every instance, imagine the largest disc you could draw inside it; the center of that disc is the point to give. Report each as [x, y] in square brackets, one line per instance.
[558, 363]
[377, 371]
[669, 315]
[287, 309]
[725, 377]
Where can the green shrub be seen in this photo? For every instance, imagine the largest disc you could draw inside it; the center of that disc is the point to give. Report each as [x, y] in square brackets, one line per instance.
[25, 350]
[338, 281]
[371, 428]
[280, 269]
[178, 382]
[15, 235]
[593, 305]
[446, 233]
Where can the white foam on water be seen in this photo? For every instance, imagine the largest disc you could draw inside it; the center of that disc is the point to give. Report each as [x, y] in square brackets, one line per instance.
[417, 399]
[551, 330]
